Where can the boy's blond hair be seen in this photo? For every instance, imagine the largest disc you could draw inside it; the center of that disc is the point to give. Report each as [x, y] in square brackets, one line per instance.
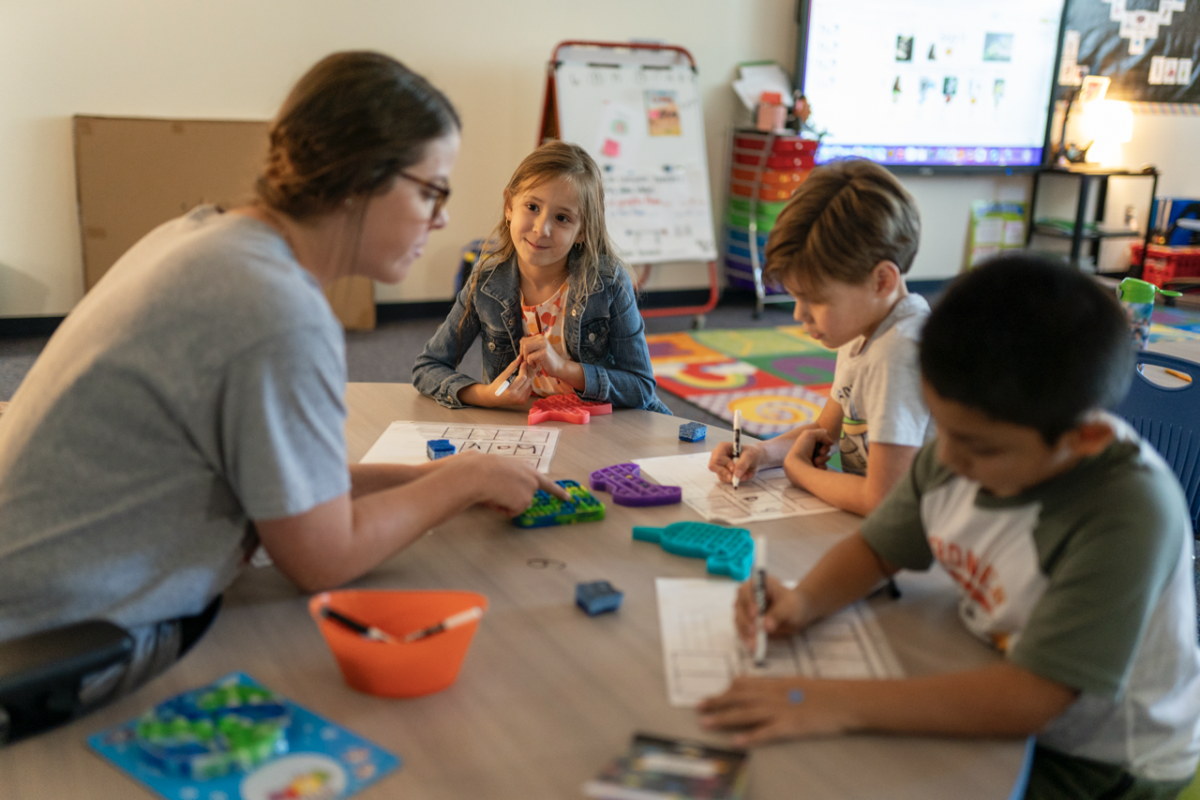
[845, 219]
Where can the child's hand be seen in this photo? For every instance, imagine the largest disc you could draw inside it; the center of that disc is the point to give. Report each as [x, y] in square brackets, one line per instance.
[517, 392]
[766, 709]
[721, 462]
[503, 484]
[784, 617]
[813, 447]
[540, 355]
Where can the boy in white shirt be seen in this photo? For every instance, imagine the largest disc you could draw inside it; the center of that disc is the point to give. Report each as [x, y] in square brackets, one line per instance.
[841, 248]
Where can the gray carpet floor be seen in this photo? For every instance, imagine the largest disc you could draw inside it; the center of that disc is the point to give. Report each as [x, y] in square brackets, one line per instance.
[386, 354]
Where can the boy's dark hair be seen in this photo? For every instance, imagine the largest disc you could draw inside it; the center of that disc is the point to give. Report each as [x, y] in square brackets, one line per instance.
[845, 219]
[1027, 340]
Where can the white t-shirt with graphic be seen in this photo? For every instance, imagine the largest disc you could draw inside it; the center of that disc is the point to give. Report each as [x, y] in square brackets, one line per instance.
[877, 382]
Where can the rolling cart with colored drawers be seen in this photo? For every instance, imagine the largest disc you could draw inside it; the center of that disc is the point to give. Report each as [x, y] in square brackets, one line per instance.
[765, 169]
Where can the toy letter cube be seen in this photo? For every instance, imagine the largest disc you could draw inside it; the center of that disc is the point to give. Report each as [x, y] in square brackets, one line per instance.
[438, 448]
[597, 597]
[692, 431]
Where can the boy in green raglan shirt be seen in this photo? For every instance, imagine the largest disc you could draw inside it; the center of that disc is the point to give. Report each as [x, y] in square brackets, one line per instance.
[1067, 535]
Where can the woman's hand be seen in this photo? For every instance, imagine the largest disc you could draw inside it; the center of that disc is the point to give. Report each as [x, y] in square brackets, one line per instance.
[767, 709]
[721, 462]
[504, 484]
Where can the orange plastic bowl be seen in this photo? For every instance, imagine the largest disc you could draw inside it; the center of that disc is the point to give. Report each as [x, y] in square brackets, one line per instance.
[397, 669]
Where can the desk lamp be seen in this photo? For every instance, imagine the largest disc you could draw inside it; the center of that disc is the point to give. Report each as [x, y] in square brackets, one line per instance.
[1109, 124]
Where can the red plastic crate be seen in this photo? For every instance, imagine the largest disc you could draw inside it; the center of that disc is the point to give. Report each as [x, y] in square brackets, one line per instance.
[783, 145]
[785, 162]
[1165, 263]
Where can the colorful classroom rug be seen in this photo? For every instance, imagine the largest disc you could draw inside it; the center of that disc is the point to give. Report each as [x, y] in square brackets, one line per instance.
[780, 377]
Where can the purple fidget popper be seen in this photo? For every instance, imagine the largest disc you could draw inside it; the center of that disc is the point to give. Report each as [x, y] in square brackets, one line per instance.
[624, 483]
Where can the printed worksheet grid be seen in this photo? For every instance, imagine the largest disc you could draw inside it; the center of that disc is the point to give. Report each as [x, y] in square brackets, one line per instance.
[523, 444]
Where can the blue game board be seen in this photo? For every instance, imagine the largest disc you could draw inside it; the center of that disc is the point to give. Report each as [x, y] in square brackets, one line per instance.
[324, 760]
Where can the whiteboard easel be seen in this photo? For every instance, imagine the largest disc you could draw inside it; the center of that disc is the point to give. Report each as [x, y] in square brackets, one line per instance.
[636, 109]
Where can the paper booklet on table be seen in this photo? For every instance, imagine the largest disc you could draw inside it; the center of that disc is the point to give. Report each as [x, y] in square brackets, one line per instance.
[404, 442]
[768, 495]
[702, 654]
[665, 768]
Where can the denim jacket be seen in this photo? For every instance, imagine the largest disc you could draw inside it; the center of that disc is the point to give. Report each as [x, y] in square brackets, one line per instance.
[603, 331]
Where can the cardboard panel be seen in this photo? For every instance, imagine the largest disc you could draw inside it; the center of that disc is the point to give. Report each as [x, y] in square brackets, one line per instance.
[134, 174]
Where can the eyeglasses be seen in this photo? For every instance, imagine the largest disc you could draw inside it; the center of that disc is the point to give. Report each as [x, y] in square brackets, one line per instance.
[442, 192]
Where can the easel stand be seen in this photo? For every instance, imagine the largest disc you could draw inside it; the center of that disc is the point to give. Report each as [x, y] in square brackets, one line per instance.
[636, 109]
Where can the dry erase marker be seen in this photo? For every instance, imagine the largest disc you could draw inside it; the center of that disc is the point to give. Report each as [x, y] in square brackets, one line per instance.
[363, 630]
[760, 600]
[504, 386]
[453, 621]
[737, 444]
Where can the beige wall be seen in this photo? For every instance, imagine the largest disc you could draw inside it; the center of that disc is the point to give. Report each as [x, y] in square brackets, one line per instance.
[226, 59]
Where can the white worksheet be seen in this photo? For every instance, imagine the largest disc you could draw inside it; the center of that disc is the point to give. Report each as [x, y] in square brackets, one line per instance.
[702, 654]
[404, 442]
[768, 495]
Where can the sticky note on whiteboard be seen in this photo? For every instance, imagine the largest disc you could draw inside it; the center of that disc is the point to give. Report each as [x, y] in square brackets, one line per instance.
[611, 148]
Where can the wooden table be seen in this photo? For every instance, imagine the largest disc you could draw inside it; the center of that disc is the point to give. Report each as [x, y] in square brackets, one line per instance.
[546, 695]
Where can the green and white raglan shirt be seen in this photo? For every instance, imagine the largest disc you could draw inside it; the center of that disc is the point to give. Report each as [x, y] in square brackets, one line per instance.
[877, 382]
[1086, 580]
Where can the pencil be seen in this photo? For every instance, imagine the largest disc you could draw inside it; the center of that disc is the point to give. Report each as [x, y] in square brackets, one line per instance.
[452, 621]
[1183, 376]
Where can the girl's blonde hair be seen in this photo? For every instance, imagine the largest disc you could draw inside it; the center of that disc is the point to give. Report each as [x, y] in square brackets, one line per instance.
[554, 159]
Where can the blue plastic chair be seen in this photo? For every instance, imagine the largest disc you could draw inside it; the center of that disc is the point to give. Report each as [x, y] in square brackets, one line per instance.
[1169, 419]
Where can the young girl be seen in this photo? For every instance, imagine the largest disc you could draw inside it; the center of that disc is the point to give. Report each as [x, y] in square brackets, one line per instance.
[554, 304]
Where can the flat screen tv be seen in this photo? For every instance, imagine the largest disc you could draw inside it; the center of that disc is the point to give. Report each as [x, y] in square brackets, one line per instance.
[931, 85]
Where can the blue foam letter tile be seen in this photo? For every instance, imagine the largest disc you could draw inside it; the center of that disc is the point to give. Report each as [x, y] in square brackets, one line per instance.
[692, 431]
[597, 597]
[438, 448]
[727, 551]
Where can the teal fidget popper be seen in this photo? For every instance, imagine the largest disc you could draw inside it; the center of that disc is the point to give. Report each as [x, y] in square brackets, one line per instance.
[547, 509]
[728, 551]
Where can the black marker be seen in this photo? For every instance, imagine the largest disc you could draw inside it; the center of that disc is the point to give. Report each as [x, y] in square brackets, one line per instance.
[365, 631]
[737, 444]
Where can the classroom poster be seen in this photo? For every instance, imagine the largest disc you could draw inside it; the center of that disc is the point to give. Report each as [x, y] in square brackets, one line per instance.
[1150, 50]
[995, 227]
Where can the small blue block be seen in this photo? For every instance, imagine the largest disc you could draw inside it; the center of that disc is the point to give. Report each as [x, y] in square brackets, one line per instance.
[597, 597]
[438, 448]
[692, 431]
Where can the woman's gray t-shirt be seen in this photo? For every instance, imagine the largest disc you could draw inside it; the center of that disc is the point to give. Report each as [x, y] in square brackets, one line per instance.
[197, 387]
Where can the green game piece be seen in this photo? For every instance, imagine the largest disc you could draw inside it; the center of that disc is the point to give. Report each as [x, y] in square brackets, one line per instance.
[548, 510]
